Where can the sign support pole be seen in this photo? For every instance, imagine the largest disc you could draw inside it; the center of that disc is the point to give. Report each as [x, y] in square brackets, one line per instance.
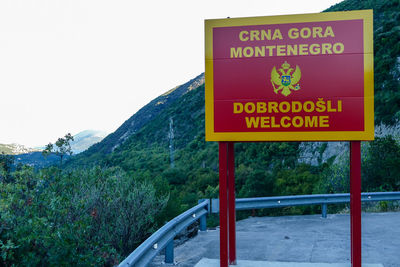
[223, 204]
[355, 202]
[231, 204]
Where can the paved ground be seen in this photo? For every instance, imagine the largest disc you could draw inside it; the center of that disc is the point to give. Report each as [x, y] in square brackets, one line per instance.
[204, 262]
[304, 239]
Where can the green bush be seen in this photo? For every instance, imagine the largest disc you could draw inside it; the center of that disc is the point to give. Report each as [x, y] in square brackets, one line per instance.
[82, 218]
[382, 166]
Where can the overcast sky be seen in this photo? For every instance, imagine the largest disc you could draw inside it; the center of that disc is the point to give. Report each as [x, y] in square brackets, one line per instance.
[72, 65]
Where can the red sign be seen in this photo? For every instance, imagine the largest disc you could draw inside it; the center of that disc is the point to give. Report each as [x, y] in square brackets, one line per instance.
[301, 77]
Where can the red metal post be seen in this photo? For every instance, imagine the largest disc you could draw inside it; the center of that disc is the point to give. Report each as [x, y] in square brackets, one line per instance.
[231, 203]
[355, 202]
[223, 204]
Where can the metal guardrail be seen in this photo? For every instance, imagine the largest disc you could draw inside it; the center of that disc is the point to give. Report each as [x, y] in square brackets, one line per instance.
[302, 200]
[164, 237]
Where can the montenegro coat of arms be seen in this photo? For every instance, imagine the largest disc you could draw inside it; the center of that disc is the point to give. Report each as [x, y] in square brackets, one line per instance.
[286, 79]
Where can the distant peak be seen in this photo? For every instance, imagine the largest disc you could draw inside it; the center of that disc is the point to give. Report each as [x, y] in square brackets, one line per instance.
[16, 149]
[83, 140]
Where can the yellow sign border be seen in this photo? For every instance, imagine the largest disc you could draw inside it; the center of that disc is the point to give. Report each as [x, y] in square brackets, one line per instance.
[367, 134]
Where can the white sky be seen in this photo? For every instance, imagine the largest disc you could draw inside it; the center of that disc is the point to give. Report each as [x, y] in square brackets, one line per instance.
[71, 65]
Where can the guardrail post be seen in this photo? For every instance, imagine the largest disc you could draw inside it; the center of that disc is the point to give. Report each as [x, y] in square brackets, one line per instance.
[203, 219]
[215, 205]
[169, 252]
[203, 223]
[324, 207]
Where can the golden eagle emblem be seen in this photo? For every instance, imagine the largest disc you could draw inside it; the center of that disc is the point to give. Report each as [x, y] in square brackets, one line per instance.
[287, 80]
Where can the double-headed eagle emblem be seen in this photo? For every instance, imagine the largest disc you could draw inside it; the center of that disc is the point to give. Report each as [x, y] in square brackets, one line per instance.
[286, 81]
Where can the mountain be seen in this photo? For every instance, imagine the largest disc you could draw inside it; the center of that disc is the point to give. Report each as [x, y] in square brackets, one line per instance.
[15, 149]
[33, 156]
[141, 118]
[85, 139]
[146, 114]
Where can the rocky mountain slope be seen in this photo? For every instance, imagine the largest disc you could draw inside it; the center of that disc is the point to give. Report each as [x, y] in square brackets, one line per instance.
[15, 149]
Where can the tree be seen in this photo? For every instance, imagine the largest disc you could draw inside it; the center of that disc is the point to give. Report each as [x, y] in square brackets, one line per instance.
[381, 169]
[6, 162]
[62, 147]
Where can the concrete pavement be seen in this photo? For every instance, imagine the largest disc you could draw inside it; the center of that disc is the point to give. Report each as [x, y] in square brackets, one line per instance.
[300, 239]
[204, 262]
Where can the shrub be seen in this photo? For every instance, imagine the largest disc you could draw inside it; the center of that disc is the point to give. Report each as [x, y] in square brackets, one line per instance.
[381, 169]
[82, 218]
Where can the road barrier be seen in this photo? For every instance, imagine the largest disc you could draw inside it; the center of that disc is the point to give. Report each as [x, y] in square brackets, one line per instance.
[302, 200]
[164, 237]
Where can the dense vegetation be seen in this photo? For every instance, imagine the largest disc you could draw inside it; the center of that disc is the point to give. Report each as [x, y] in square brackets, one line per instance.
[79, 218]
[106, 201]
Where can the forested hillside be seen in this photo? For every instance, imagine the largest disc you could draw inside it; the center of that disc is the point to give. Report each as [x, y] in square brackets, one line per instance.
[137, 121]
[105, 201]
